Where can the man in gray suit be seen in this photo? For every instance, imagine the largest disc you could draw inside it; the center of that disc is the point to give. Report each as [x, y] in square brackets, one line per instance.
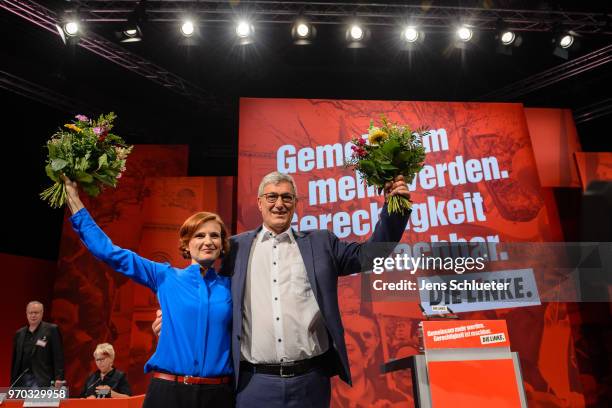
[287, 335]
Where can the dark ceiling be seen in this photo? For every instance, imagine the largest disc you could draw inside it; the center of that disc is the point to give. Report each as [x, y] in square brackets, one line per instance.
[272, 67]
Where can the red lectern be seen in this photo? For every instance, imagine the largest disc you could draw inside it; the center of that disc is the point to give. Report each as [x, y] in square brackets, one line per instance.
[467, 363]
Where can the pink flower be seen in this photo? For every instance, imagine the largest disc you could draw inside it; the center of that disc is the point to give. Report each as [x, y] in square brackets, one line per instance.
[82, 118]
[101, 132]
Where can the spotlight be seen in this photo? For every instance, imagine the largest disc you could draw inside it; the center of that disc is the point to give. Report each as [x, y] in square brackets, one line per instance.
[356, 33]
[244, 29]
[132, 29]
[129, 35]
[69, 31]
[244, 32]
[357, 36]
[303, 32]
[566, 41]
[187, 28]
[464, 33]
[71, 28]
[507, 37]
[410, 34]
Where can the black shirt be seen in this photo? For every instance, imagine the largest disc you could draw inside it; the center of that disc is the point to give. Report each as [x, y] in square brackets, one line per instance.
[115, 379]
[28, 348]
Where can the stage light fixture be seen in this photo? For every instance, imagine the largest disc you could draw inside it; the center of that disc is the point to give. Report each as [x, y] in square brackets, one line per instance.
[357, 35]
[132, 29]
[566, 41]
[303, 32]
[464, 33]
[71, 28]
[243, 29]
[130, 35]
[410, 34]
[356, 32]
[187, 28]
[244, 32]
[507, 37]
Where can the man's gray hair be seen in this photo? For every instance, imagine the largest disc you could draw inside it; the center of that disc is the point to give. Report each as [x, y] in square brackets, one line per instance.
[274, 178]
[35, 302]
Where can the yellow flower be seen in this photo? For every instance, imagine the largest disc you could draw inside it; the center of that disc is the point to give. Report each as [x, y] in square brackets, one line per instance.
[73, 127]
[377, 136]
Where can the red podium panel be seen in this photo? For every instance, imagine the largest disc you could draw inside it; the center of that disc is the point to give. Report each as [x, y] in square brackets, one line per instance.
[475, 383]
[469, 364]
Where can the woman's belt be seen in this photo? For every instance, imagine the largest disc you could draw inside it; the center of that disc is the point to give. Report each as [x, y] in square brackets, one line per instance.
[188, 379]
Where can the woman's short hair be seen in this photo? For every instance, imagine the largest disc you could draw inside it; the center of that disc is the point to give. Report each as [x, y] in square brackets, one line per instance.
[104, 349]
[274, 178]
[191, 225]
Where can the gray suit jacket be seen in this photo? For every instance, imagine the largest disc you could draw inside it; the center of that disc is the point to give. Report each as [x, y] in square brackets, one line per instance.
[325, 258]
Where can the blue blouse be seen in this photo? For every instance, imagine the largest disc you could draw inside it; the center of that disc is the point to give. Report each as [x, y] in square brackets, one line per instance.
[196, 335]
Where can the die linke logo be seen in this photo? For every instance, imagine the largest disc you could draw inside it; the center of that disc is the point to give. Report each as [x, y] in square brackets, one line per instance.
[493, 338]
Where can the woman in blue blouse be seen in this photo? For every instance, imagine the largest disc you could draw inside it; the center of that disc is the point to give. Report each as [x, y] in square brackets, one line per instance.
[192, 364]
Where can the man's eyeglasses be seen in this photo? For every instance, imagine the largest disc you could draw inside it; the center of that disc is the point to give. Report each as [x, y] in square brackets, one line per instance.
[287, 198]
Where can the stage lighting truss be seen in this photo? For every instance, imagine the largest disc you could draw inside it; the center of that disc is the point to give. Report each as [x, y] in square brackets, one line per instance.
[370, 14]
[97, 44]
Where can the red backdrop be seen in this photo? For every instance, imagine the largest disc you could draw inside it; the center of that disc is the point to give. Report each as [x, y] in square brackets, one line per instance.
[491, 142]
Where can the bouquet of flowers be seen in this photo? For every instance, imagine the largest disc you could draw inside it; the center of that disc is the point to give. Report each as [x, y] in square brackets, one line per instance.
[391, 150]
[84, 151]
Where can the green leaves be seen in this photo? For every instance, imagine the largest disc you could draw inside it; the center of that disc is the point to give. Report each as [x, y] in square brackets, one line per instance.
[91, 189]
[51, 173]
[102, 161]
[58, 164]
[367, 166]
[83, 178]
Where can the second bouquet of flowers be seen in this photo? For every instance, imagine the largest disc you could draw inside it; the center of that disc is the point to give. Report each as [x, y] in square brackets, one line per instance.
[87, 152]
[391, 150]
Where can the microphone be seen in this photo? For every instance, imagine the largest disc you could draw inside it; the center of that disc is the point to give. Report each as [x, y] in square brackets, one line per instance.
[94, 383]
[19, 378]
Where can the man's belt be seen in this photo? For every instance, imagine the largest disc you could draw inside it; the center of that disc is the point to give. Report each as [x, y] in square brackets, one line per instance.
[288, 369]
[187, 379]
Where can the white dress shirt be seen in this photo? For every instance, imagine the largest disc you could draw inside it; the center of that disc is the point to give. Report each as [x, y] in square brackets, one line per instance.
[281, 320]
